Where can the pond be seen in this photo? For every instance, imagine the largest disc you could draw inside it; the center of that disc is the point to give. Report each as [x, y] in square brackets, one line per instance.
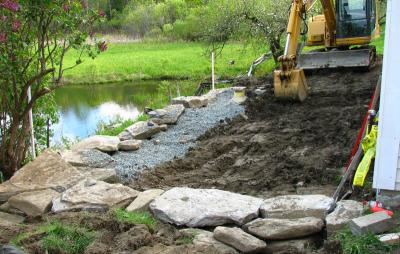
[83, 107]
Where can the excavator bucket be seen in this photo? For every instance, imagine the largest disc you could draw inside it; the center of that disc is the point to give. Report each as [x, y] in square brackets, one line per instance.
[355, 58]
[294, 87]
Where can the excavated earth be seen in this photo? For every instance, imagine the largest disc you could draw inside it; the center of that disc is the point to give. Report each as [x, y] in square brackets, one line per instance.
[283, 147]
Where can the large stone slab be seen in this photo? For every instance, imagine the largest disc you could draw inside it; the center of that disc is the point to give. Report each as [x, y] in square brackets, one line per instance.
[204, 207]
[141, 203]
[140, 130]
[99, 142]
[374, 223]
[204, 240]
[296, 206]
[344, 212]
[191, 101]
[130, 145]
[92, 195]
[7, 219]
[239, 239]
[47, 171]
[283, 229]
[303, 245]
[168, 115]
[108, 175]
[87, 158]
[393, 238]
[34, 203]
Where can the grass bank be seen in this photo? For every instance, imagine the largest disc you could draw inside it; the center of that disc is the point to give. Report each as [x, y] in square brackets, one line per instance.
[152, 60]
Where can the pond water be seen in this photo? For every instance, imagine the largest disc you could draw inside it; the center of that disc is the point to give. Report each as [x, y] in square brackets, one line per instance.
[82, 108]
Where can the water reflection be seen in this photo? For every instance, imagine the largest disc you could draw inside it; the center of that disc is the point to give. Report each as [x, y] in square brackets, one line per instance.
[81, 108]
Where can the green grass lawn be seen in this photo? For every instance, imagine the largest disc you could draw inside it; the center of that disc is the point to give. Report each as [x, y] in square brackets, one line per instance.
[178, 60]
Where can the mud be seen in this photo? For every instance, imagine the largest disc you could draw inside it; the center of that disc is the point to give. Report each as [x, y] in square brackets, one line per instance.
[283, 147]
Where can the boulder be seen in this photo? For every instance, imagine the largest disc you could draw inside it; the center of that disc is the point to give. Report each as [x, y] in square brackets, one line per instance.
[102, 143]
[47, 171]
[35, 203]
[204, 207]
[7, 219]
[283, 229]
[164, 127]
[344, 212]
[393, 238]
[6, 208]
[169, 115]
[108, 175]
[140, 130]
[143, 200]
[204, 240]
[296, 206]
[303, 245]
[87, 158]
[191, 101]
[92, 195]
[130, 145]
[239, 239]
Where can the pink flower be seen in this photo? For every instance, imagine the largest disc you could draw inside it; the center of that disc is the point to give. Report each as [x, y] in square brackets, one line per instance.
[102, 46]
[102, 13]
[66, 7]
[9, 4]
[16, 25]
[3, 37]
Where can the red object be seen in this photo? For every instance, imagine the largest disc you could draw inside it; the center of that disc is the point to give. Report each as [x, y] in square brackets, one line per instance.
[377, 209]
[360, 134]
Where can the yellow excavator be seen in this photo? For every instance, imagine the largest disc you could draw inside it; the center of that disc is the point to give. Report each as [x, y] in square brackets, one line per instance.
[345, 31]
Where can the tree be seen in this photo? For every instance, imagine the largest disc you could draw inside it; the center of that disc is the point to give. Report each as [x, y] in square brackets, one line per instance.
[264, 20]
[35, 36]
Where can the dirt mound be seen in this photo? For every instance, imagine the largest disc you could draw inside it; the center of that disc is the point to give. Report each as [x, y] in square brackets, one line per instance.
[283, 147]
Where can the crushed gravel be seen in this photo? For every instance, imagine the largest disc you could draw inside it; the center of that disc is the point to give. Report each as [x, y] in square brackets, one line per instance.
[178, 139]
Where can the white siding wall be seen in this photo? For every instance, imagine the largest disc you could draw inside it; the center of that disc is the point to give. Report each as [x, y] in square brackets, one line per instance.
[387, 170]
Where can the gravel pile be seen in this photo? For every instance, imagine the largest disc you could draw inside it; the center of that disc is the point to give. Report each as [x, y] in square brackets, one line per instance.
[176, 141]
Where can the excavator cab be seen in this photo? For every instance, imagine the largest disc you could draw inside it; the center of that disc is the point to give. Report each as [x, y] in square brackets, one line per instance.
[345, 30]
[355, 21]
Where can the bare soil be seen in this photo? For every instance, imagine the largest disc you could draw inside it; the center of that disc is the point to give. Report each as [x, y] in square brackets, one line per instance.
[283, 147]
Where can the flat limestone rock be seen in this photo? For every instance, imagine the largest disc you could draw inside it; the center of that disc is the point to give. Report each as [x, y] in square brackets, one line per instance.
[6, 208]
[344, 212]
[87, 158]
[283, 229]
[34, 203]
[303, 245]
[204, 207]
[92, 195]
[374, 223]
[191, 101]
[102, 143]
[204, 240]
[169, 115]
[108, 175]
[130, 145]
[393, 238]
[239, 239]
[141, 203]
[7, 219]
[140, 130]
[296, 206]
[47, 171]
